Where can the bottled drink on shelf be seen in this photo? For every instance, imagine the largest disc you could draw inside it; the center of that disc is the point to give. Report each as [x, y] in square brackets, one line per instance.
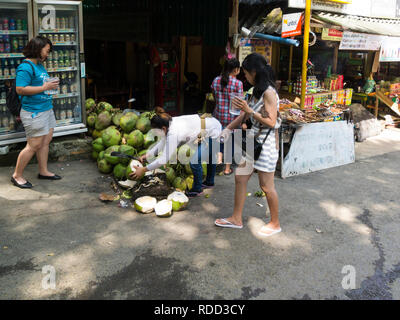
[15, 45]
[63, 23]
[58, 23]
[71, 23]
[21, 44]
[19, 24]
[63, 113]
[12, 68]
[67, 38]
[7, 44]
[73, 37]
[56, 38]
[5, 24]
[70, 113]
[11, 24]
[6, 71]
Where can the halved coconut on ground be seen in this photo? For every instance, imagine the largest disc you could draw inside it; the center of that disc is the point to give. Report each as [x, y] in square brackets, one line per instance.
[163, 208]
[131, 169]
[145, 204]
[179, 200]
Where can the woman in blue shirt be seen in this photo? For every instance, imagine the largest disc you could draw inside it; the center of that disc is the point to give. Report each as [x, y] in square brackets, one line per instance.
[36, 111]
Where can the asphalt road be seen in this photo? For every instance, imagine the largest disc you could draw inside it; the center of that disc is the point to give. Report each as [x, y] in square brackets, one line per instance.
[340, 238]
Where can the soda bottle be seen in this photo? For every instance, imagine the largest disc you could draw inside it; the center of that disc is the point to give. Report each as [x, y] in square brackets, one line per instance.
[1, 45]
[24, 25]
[70, 114]
[6, 71]
[12, 68]
[21, 44]
[11, 24]
[63, 23]
[5, 24]
[15, 44]
[19, 24]
[63, 113]
[7, 45]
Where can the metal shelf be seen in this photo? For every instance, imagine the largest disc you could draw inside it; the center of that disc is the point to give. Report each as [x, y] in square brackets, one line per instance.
[13, 32]
[62, 69]
[11, 55]
[58, 31]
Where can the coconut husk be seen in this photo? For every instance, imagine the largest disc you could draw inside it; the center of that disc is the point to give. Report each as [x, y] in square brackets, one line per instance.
[154, 186]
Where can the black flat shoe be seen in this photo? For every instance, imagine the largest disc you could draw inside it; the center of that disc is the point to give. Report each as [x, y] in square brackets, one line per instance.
[55, 177]
[26, 185]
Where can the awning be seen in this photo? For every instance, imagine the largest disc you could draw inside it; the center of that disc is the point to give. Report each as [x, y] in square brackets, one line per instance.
[387, 27]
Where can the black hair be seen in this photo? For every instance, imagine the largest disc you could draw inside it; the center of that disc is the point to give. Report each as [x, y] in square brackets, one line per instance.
[265, 76]
[229, 66]
[34, 47]
[160, 119]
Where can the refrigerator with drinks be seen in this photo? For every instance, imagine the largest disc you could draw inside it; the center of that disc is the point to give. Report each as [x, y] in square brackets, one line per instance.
[61, 22]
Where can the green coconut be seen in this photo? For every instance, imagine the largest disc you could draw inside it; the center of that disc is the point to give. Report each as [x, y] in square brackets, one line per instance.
[104, 166]
[101, 155]
[96, 134]
[189, 182]
[90, 103]
[111, 137]
[145, 204]
[117, 118]
[185, 153]
[103, 120]
[170, 173]
[143, 124]
[128, 150]
[149, 139]
[98, 145]
[95, 155]
[120, 171]
[130, 169]
[107, 155]
[104, 106]
[128, 122]
[146, 114]
[135, 139]
[91, 120]
[163, 208]
[204, 165]
[179, 200]
[142, 153]
[179, 183]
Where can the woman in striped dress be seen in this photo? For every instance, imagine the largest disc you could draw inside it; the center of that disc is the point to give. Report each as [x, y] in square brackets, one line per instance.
[262, 109]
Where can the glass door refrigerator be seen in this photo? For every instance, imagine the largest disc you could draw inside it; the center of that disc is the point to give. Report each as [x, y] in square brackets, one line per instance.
[16, 28]
[62, 23]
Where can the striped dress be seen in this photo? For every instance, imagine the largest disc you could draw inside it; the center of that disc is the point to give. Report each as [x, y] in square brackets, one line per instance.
[269, 154]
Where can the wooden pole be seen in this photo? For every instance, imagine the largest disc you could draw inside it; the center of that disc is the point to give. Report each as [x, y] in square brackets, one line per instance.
[290, 63]
[305, 52]
[335, 58]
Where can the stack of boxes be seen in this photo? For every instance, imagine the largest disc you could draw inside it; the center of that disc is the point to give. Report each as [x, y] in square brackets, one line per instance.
[334, 82]
[312, 83]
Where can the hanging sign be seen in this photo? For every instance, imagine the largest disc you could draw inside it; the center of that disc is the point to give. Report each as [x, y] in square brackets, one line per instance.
[390, 50]
[360, 41]
[331, 34]
[291, 24]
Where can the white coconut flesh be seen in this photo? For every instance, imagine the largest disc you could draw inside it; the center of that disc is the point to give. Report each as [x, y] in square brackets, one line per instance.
[145, 204]
[156, 171]
[179, 200]
[135, 163]
[163, 208]
[127, 184]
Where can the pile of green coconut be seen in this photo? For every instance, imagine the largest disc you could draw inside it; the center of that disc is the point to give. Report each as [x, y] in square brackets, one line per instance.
[128, 133]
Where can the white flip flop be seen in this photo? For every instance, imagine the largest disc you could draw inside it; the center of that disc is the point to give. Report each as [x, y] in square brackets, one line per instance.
[269, 229]
[227, 224]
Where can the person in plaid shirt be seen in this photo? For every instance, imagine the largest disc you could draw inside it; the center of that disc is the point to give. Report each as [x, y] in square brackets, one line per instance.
[222, 87]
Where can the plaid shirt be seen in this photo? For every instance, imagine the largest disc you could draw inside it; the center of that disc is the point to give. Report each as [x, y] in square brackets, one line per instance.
[221, 111]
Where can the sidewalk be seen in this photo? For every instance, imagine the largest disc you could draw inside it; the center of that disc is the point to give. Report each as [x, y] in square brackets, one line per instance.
[342, 216]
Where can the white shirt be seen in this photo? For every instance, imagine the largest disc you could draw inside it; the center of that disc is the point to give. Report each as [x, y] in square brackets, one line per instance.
[183, 129]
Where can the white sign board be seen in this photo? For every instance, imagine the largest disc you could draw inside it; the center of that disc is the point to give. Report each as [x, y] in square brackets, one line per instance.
[365, 8]
[318, 146]
[360, 41]
[390, 50]
[291, 24]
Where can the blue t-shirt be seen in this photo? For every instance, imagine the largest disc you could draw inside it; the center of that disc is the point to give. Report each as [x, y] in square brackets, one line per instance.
[39, 102]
